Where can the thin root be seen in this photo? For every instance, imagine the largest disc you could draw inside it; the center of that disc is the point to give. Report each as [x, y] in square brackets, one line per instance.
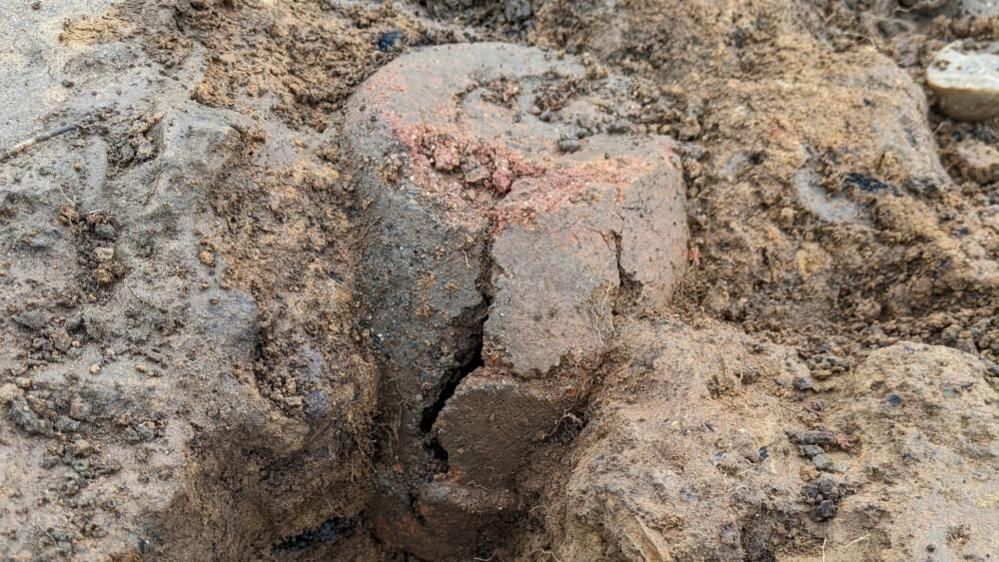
[22, 146]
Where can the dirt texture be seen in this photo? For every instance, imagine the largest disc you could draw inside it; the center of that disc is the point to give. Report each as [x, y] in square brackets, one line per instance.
[495, 280]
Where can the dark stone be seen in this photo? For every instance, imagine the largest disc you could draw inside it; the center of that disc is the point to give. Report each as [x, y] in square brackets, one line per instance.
[825, 510]
[388, 40]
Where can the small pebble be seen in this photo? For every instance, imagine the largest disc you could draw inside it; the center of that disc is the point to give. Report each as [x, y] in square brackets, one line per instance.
[104, 253]
[207, 257]
[619, 127]
[145, 431]
[95, 369]
[387, 40]
[65, 424]
[787, 216]
[822, 462]
[812, 450]
[517, 11]
[825, 510]
[82, 448]
[978, 161]
[104, 231]
[8, 392]
[569, 145]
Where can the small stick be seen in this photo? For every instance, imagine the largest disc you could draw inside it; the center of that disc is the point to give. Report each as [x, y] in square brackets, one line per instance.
[22, 146]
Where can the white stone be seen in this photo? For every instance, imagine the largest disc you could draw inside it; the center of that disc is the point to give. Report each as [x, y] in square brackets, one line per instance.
[966, 79]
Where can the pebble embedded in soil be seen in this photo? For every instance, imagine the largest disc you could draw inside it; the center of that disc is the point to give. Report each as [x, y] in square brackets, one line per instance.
[65, 424]
[207, 257]
[812, 450]
[966, 79]
[569, 145]
[822, 462]
[825, 510]
[82, 448]
[8, 392]
[517, 11]
[387, 40]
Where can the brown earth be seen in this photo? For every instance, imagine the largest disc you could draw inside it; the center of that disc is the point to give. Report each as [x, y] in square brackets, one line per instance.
[190, 365]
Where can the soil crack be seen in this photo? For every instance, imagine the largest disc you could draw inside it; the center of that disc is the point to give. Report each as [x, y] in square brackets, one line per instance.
[329, 531]
[474, 321]
[451, 382]
[628, 287]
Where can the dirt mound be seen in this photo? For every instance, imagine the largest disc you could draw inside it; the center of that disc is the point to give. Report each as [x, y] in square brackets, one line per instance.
[818, 198]
[201, 278]
[704, 444]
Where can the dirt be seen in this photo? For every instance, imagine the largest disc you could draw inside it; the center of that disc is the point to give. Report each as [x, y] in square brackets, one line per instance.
[192, 364]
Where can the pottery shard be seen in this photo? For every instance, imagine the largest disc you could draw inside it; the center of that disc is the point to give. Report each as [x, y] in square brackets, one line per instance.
[501, 226]
[471, 198]
[614, 237]
[515, 415]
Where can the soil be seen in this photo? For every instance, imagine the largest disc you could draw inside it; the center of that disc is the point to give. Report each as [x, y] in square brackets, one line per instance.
[190, 361]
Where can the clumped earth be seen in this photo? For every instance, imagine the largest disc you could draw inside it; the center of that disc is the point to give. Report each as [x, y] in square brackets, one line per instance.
[238, 324]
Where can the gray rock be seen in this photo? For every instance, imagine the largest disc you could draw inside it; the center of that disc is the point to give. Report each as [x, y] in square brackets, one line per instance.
[65, 424]
[822, 462]
[517, 10]
[981, 7]
[23, 417]
[32, 319]
[812, 450]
